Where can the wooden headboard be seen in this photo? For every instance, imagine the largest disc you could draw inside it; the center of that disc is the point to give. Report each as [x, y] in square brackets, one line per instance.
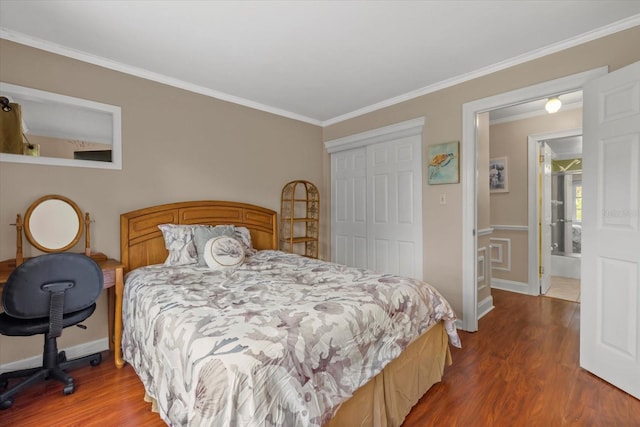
[141, 241]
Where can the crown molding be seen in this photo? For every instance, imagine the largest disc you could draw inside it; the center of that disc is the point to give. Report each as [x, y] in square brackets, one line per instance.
[383, 134]
[615, 27]
[47, 46]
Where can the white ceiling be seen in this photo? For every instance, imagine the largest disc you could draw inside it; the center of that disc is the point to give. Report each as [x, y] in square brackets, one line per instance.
[566, 148]
[316, 61]
[569, 101]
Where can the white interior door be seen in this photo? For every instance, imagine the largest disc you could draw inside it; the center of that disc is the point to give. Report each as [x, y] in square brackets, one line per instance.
[545, 226]
[394, 171]
[349, 206]
[610, 318]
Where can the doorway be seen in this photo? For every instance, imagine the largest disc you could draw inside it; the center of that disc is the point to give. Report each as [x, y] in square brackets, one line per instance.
[546, 216]
[520, 254]
[470, 168]
[609, 322]
[564, 198]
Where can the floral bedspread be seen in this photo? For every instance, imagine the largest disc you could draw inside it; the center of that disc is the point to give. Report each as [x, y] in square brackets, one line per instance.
[281, 340]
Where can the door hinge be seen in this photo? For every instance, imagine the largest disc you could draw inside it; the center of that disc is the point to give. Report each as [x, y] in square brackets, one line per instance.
[541, 270]
[541, 158]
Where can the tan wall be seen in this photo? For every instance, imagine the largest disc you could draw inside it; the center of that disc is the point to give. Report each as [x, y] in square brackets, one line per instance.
[443, 112]
[511, 140]
[64, 148]
[177, 146]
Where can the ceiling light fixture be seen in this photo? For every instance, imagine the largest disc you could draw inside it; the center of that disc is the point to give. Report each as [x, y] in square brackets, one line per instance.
[553, 105]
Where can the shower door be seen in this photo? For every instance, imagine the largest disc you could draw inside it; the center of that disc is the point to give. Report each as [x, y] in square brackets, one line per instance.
[566, 212]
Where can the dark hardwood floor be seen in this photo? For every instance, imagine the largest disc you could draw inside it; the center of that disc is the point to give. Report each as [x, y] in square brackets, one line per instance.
[519, 369]
[522, 369]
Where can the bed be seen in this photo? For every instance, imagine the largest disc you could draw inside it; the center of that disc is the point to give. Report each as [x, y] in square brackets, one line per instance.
[280, 339]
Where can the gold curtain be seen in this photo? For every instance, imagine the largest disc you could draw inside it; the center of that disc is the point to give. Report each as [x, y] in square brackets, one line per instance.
[11, 138]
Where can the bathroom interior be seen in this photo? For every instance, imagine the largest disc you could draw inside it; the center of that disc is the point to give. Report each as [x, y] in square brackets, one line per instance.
[566, 217]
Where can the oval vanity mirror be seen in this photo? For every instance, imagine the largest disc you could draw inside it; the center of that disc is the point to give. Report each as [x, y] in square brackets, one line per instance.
[53, 224]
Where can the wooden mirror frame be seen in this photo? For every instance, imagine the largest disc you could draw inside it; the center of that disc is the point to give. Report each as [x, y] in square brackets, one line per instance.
[82, 225]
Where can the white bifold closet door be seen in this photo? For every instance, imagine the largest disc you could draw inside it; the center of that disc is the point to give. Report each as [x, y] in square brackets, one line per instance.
[376, 198]
[349, 208]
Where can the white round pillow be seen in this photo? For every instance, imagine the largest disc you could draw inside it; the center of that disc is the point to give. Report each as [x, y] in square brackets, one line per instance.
[223, 252]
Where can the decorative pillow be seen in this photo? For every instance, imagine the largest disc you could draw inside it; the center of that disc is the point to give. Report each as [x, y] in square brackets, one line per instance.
[244, 236]
[178, 239]
[223, 252]
[203, 233]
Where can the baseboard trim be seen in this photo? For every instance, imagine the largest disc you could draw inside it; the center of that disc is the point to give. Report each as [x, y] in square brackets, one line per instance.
[510, 285]
[72, 352]
[485, 306]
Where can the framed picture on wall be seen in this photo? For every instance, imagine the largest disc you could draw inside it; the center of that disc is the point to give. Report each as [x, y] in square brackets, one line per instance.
[444, 163]
[498, 175]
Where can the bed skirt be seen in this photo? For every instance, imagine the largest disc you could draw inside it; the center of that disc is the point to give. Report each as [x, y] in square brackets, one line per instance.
[387, 398]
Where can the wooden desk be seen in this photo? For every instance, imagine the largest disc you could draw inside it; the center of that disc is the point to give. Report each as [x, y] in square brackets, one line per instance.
[112, 270]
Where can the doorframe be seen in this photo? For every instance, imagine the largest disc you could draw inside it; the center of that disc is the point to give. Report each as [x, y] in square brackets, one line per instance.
[534, 219]
[469, 170]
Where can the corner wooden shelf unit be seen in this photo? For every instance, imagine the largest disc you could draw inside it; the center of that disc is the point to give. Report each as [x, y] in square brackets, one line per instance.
[300, 218]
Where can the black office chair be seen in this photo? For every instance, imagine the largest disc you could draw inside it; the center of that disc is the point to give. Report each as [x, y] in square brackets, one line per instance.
[42, 296]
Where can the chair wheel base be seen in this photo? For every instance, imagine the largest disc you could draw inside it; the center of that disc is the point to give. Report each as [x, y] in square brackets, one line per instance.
[96, 360]
[6, 404]
[69, 389]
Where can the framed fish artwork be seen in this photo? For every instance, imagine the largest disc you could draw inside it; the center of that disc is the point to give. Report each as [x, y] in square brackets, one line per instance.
[444, 163]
